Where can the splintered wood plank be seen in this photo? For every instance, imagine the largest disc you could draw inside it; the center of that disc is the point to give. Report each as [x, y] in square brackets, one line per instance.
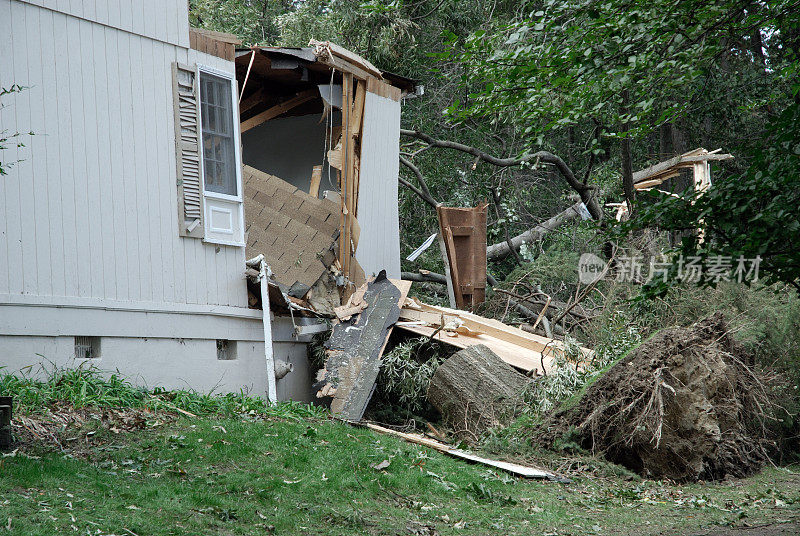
[522, 358]
[356, 121]
[526, 351]
[513, 468]
[356, 346]
[358, 108]
[316, 177]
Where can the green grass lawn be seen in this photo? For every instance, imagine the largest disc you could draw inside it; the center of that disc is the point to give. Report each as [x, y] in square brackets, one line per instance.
[311, 475]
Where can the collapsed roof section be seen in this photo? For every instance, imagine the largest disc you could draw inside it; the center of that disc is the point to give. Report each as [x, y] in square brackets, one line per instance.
[270, 76]
[294, 230]
[302, 119]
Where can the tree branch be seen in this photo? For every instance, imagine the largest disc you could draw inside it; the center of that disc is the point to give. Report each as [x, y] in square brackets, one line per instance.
[422, 277]
[423, 192]
[439, 278]
[502, 249]
[586, 192]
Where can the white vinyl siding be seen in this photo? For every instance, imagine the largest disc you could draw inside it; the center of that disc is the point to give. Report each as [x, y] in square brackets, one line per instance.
[162, 20]
[379, 243]
[92, 216]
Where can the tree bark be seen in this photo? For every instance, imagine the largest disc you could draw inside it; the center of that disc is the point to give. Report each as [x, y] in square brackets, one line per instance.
[625, 157]
[665, 141]
[502, 250]
[475, 390]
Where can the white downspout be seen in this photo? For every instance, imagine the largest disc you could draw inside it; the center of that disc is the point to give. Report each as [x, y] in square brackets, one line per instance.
[263, 277]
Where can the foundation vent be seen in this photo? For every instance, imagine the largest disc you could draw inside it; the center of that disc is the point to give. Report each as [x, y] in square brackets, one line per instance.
[87, 347]
[226, 350]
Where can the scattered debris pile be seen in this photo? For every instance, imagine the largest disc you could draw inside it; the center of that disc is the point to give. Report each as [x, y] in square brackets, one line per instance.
[683, 405]
[475, 390]
[363, 324]
[531, 353]
[356, 345]
[70, 428]
[479, 385]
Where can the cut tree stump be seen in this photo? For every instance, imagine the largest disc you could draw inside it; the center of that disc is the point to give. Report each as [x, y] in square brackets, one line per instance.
[475, 390]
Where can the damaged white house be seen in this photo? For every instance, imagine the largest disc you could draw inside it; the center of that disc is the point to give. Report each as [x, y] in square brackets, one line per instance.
[161, 159]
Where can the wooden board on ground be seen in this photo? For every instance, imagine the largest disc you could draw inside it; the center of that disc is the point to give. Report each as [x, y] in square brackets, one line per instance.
[356, 346]
[510, 467]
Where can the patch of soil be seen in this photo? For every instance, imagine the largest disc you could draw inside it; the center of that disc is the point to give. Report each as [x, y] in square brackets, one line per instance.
[683, 405]
[772, 529]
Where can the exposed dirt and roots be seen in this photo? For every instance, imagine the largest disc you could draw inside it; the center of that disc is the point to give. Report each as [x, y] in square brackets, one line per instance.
[684, 405]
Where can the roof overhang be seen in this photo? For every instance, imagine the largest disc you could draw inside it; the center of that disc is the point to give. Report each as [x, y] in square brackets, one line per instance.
[313, 65]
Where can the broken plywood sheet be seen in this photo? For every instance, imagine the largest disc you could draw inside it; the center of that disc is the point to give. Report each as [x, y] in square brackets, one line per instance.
[464, 234]
[356, 346]
[293, 230]
[526, 351]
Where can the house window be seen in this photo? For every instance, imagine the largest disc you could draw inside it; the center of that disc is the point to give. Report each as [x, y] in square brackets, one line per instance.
[219, 140]
[223, 205]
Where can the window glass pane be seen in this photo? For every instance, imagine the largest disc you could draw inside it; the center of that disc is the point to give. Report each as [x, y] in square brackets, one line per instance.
[219, 164]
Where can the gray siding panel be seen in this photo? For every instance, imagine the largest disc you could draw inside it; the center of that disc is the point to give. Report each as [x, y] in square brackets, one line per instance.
[6, 118]
[19, 232]
[379, 243]
[91, 211]
[163, 20]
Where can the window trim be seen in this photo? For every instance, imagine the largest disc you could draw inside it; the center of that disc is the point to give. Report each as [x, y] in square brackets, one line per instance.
[237, 151]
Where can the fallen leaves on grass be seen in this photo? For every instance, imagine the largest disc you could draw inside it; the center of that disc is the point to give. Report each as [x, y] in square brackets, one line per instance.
[69, 428]
[380, 466]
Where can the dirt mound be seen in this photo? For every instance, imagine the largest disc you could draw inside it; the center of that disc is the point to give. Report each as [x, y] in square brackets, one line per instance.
[683, 405]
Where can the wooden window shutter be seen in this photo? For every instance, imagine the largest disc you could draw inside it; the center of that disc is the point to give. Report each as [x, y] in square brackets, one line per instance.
[187, 146]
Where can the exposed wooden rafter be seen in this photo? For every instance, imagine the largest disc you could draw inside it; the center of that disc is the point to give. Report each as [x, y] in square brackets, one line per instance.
[279, 109]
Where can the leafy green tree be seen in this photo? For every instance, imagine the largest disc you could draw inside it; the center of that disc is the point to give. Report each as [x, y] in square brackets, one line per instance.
[753, 215]
[617, 69]
[253, 21]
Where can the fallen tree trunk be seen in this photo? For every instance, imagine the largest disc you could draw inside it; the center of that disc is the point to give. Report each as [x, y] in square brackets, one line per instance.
[502, 250]
[475, 390]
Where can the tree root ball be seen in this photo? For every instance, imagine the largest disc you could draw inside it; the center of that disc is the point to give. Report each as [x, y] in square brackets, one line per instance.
[684, 405]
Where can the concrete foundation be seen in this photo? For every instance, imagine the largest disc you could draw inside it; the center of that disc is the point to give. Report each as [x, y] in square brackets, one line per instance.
[170, 362]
